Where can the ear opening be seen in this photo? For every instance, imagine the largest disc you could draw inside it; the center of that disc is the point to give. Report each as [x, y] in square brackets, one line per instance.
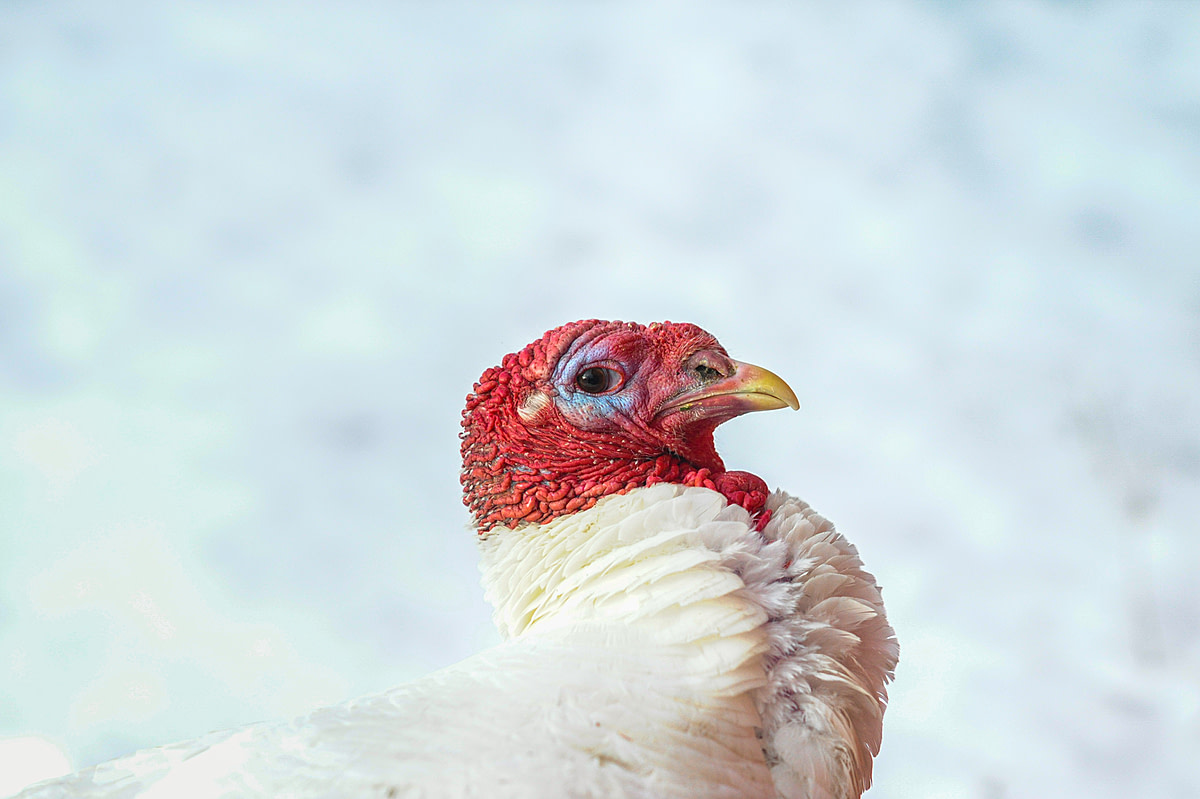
[533, 405]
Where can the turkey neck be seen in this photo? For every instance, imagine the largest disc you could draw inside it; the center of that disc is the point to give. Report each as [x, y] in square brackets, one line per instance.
[632, 569]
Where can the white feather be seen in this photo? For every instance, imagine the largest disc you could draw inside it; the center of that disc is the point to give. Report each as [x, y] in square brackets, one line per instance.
[657, 646]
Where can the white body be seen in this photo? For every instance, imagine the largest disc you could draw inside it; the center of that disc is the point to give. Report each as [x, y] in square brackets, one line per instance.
[657, 647]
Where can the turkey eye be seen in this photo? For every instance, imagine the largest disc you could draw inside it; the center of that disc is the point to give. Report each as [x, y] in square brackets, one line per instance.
[597, 379]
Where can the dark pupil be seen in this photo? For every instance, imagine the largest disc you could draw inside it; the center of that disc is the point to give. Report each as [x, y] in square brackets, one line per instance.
[593, 380]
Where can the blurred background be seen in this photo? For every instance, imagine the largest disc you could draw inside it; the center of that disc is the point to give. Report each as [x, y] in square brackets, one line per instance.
[252, 259]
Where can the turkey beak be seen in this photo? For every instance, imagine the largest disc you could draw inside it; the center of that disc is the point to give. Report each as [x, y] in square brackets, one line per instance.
[749, 388]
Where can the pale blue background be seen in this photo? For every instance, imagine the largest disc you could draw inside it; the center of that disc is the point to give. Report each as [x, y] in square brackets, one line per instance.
[252, 258]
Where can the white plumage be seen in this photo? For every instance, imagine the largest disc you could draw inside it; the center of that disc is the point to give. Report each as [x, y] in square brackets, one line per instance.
[657, 646]
[662, 641]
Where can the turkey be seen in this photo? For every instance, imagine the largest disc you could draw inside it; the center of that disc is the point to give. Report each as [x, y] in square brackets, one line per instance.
[671, 628]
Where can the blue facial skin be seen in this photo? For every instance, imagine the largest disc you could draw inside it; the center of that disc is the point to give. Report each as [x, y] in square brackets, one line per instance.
[596, 411]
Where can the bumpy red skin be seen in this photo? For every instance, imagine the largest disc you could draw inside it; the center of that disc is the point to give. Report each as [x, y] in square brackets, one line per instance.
[524, 460]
